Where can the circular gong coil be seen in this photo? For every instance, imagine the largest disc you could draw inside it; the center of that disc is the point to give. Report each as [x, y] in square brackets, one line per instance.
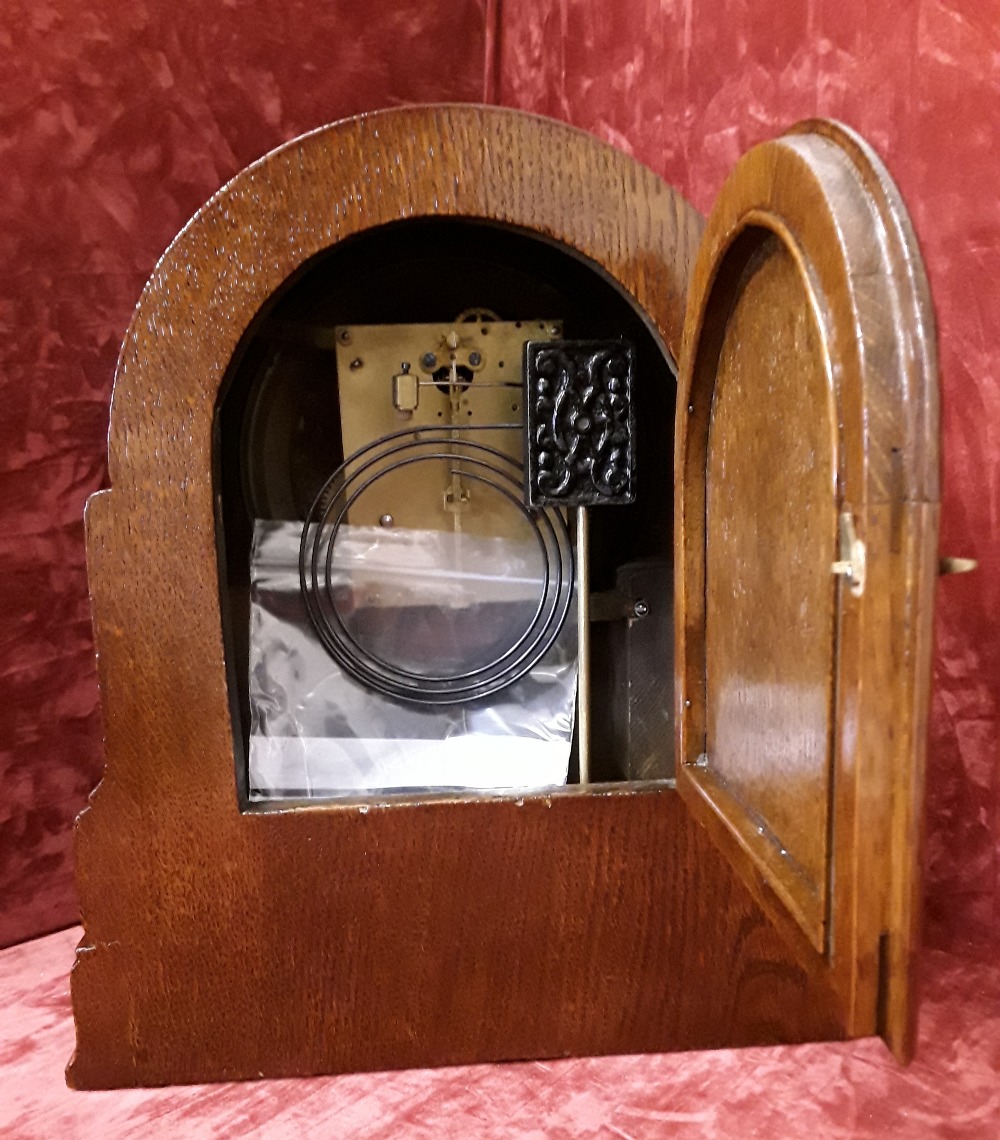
[473, 461]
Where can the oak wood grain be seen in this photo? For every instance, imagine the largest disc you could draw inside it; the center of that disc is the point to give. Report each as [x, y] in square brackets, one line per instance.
[771, 531]
[822, 193]
[224, 942]
[326, 940]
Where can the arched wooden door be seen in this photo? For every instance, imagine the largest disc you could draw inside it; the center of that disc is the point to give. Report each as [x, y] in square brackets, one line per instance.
[807, 538]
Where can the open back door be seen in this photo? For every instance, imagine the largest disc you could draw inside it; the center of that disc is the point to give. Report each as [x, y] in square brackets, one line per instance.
[807, 501]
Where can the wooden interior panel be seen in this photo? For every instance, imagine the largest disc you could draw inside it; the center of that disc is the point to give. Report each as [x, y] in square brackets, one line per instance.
[770, 597]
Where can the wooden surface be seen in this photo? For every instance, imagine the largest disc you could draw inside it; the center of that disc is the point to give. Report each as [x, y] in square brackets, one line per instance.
[239, 943]
[221, 943]
[832, 1091]
[771, 530]
[826, 199]
[350, 938]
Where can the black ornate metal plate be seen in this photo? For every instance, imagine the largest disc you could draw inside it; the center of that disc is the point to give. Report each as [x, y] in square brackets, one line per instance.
[580, 445]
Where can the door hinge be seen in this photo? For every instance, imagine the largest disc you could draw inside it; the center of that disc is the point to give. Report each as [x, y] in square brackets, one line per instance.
[851, 563]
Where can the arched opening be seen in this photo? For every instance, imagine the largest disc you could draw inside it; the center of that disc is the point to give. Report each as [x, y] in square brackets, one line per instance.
[280, 434]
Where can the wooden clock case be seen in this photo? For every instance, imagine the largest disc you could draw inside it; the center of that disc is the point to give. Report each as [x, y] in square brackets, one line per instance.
[768, 893]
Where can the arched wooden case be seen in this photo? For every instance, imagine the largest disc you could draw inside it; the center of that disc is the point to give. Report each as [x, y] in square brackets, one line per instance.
[772, 894]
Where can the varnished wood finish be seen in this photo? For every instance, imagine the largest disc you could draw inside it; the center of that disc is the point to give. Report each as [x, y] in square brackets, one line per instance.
[906, 356]
[338, 939]
[225, 942]
[821, 194]
[770, 540]
[221, 942]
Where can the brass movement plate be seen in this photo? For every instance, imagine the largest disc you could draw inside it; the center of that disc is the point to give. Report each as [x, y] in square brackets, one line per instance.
[461, 374]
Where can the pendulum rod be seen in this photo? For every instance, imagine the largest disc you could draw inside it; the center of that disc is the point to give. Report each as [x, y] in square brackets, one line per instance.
[583, 642]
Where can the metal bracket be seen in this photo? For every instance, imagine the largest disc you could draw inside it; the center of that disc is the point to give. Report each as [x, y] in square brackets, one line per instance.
[613, 605]
[851, 564]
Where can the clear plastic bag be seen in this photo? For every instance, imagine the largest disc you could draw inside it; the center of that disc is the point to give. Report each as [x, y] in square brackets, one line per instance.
[430, 601]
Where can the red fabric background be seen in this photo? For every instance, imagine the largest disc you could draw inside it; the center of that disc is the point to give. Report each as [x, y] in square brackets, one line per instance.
[687, 86]
[118, 119]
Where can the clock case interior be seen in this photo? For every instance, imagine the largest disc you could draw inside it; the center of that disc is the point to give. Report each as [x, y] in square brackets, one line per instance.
[278, 438]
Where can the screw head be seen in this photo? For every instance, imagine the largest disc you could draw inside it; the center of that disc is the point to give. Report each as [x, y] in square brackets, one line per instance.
[344, 336]
[429, 360]
[475, 359]
[356, 363]
[640, 609]
[386, 521]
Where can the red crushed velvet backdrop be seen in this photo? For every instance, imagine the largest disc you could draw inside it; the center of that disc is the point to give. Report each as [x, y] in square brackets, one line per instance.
[687, 86]
[118, 119]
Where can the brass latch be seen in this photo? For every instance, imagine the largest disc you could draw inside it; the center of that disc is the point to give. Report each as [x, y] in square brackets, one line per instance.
[851, 563]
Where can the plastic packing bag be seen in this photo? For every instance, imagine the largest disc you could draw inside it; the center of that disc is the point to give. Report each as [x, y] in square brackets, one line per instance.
[431, 601]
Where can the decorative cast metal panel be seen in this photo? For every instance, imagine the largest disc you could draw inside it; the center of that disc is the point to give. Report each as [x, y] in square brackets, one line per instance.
[580, 430]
